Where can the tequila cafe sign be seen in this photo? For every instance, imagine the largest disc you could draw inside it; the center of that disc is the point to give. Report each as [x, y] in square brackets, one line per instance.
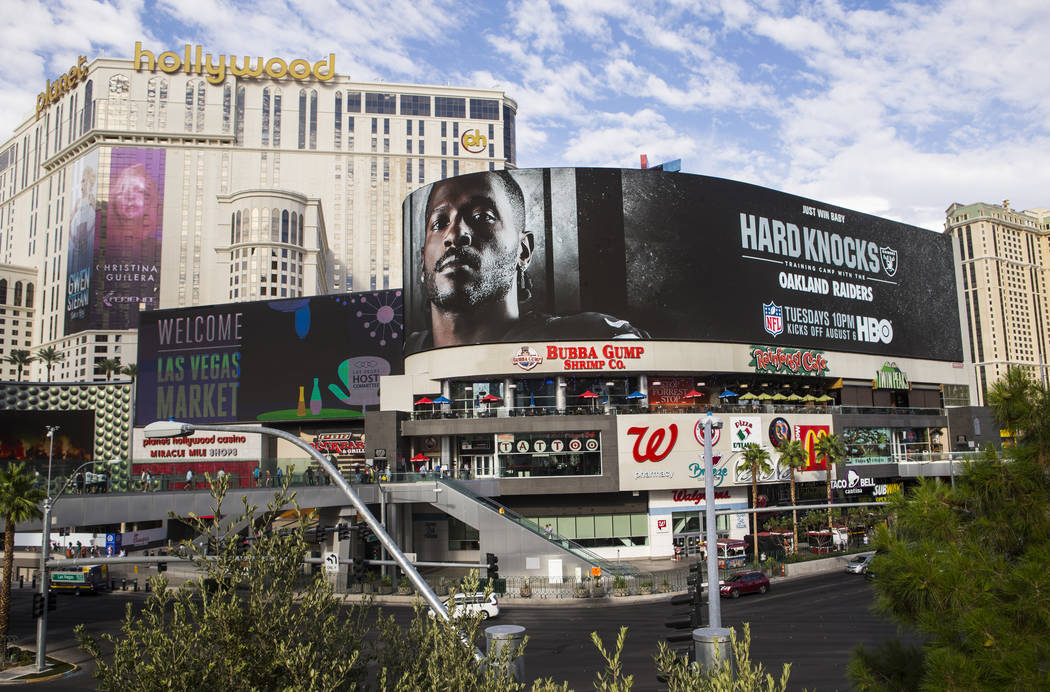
[889, 376]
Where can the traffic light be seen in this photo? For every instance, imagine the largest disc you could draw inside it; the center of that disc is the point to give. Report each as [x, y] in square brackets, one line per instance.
[38, 605]
[367, 535]
[695, 580]
[695, 600]
[344, 532]
[360, 568]
[52, 602]
[493, 565]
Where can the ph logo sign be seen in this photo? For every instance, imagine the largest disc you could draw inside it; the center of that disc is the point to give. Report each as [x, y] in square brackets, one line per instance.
[473, 141]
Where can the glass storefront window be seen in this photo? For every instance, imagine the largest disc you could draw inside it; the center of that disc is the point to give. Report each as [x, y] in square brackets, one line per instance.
[867, 443]
[600, 530]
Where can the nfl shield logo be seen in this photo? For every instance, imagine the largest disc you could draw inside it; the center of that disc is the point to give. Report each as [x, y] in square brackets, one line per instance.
[773, 318]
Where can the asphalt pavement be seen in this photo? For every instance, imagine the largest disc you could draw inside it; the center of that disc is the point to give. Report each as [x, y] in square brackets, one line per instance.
[813, 623]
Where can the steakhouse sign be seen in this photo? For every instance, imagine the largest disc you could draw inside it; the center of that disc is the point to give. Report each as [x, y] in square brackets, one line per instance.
[656, 451]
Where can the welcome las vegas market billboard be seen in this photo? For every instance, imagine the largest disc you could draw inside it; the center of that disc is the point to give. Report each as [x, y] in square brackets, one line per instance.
[299, 359]
[596, 254]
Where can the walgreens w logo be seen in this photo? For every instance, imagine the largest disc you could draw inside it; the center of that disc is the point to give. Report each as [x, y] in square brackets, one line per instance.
[652, 445]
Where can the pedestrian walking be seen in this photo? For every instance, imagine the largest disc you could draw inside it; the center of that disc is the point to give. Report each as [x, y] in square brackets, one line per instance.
[189, 479]
[255, 475]
[549, 530]
[149, 481]
[280, 476]
[267, 478]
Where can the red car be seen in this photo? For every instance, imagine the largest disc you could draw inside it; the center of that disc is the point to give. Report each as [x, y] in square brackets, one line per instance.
[744, 582]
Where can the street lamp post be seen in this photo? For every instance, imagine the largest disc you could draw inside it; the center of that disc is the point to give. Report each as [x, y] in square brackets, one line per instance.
[45, 551]
[176, 429]
[50, 454]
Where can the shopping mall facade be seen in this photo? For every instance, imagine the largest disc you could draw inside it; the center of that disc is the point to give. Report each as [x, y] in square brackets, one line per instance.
[653, 298]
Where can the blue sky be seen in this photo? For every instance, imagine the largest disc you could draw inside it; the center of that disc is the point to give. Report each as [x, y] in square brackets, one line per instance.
[897, 109]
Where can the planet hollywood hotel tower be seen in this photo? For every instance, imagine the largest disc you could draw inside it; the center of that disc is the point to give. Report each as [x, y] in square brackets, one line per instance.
[185, 177]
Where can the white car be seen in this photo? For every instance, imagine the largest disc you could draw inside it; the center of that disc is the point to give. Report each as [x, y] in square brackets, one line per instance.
[859, 564]
[474, 604]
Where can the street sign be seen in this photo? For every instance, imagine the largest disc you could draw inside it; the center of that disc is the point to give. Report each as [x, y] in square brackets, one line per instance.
[331, 562]
[68, 576]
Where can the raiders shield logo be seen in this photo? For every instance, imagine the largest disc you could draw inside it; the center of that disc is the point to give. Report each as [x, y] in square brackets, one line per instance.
[889, 260]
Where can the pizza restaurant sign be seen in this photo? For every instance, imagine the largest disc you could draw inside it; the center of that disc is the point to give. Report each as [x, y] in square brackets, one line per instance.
[770, 360]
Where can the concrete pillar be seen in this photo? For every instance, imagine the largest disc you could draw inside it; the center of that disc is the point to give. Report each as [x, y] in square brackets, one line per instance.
[712, 646]
[507, 638]
[508, 393]
[643, 387]
[559, 394]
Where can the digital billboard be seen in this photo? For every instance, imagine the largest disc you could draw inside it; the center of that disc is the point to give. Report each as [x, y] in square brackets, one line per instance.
[599, 254]
[23, 435]
[113, 259]
[298, 359]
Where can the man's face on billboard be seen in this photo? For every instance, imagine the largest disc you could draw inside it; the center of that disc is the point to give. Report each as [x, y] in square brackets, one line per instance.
[473, 243]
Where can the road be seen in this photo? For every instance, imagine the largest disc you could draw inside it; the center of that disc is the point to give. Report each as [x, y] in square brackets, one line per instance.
[813, 623]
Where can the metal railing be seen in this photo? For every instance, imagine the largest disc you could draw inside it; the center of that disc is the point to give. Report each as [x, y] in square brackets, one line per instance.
[453, 412]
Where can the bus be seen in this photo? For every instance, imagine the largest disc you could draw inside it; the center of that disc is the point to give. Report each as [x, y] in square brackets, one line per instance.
[89, 578]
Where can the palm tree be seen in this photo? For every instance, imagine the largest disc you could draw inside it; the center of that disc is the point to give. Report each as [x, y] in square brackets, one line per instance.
[108, 366]
[20, 358]
[131, 370]
[794, 457]
[50, 355]
[756, 461]
[19, 500]
[833, 449]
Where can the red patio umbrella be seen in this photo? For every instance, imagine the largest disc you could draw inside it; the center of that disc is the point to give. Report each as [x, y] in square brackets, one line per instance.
[589, 395]
[489, 398]
[693, 394]
[423, 400]
[420, 457]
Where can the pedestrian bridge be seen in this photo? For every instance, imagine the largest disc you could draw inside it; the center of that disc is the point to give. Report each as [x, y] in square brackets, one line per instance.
[526, 549]
[137, 506]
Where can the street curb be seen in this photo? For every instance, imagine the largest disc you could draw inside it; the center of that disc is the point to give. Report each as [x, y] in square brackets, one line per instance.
[600, 602]
[22, 681]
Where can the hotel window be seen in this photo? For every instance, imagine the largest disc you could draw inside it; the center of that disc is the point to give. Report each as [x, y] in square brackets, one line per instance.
[408, 171]
[313, 118]
[448, 107]
[277, 117]
[414, 105]
[238, 120]
[227, 103]
[508, 133]
[302, 118]
[353, 102]
[484, 109]
[408, 126]
[383, 104]
[420, 171]
[338, 120]
[266, 116]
